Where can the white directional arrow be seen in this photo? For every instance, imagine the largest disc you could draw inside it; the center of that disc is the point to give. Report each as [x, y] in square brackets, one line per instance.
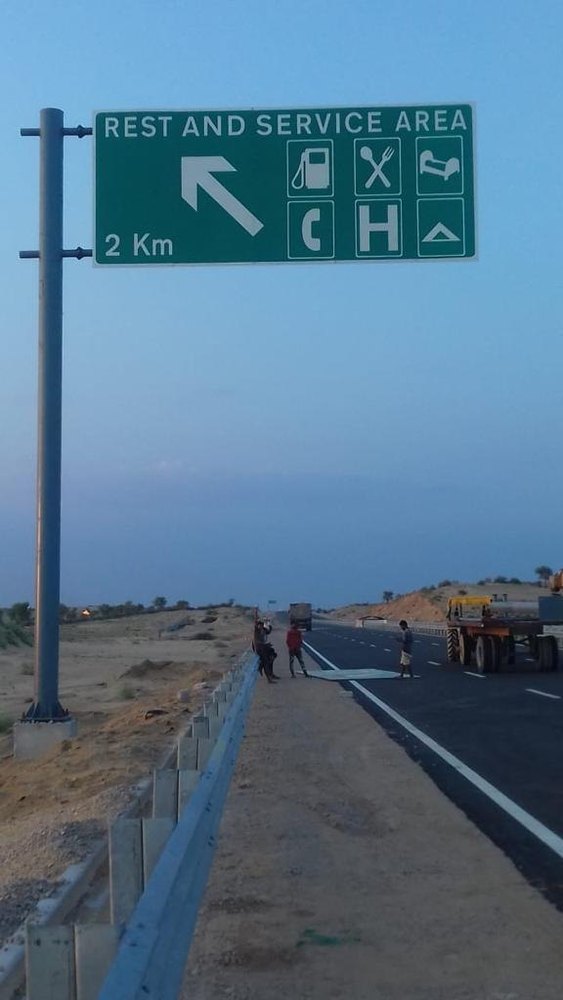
[197, 172]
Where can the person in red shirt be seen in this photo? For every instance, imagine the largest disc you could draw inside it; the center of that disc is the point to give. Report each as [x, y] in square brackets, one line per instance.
[294, 641]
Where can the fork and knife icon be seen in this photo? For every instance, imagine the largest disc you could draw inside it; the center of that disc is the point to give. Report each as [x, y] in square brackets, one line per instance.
[366, 153]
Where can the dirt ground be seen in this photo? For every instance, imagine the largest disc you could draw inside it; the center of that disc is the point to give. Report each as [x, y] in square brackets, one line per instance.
[112, 673]
[342, 872]
[430, 605]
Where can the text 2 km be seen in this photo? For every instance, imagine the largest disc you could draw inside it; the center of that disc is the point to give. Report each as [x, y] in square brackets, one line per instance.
[144, 245]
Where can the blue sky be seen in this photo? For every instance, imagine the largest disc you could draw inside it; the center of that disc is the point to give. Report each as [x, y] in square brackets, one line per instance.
[296, 432]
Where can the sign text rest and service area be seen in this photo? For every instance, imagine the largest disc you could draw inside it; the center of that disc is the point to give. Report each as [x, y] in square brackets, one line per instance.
[214, 187]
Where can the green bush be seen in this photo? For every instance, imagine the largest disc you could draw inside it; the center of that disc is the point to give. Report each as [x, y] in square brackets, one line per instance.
[12, 634]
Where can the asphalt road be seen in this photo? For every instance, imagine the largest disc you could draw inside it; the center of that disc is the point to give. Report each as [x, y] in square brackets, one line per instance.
[506, 728]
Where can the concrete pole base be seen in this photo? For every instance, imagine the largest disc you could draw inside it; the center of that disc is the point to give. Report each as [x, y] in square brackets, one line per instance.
[32, 739]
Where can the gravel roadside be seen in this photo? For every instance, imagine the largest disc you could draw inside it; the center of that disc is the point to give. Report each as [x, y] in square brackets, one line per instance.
[342, 872]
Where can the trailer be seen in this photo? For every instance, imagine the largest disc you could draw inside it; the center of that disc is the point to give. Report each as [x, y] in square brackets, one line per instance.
[486, 632]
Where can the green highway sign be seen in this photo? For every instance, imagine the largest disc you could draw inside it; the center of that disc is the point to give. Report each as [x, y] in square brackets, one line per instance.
[329, 184]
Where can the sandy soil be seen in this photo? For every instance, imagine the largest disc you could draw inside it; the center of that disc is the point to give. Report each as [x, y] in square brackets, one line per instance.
[112, 673]
[342, 872]
[430, 605]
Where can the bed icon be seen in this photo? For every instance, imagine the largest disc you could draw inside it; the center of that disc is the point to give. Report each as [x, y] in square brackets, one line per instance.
[442, 168]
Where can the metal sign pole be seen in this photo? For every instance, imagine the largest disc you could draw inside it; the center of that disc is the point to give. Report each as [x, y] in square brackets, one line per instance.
[46, 707]
[48, 538]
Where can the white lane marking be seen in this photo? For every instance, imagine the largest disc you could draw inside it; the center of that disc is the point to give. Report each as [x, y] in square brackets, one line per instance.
[434, 664]
[530, 659]
[530, 823]
[544, 694]
[435, 643]
[372, 644]
[471, 673]
[386, 650]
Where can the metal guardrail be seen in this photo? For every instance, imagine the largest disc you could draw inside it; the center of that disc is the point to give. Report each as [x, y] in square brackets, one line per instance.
[152, 954]
[71, 962]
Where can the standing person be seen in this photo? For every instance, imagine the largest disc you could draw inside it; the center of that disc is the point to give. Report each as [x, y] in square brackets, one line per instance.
[260, 636]
[406, 641]
[265, 651]
[294, 642]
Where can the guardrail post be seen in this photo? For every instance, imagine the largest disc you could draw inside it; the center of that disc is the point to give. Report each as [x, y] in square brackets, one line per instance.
[221, 699]
[200, 729]
[187, 753]
[187, 782]
[200, 726]
[95, 946]
[210, 707]
[49, 960]
[165, 794]
[155, 834]
[125, 868]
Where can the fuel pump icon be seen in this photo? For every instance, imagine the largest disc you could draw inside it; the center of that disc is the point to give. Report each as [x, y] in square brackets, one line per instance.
[313, 172]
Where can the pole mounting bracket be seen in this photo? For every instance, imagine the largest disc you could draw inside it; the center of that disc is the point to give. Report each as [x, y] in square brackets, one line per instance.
[78, 252]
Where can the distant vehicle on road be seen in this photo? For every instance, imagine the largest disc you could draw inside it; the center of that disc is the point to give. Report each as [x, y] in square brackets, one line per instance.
[301, 615]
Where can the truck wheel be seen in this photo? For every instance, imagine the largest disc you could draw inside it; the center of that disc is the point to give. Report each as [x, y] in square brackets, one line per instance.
[465, 648]
[548, 653]
[452, 648]
[507, 653]
[510, 651]
[483, 654]
[495, 646]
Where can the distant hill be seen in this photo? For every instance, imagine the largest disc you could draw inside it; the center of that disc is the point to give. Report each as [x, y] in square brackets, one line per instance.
[429, 603]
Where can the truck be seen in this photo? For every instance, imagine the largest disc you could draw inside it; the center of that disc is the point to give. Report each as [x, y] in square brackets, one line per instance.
[485, 631]
[301, 615]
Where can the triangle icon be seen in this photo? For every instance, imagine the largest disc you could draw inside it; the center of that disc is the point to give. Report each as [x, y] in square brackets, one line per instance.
[440, 234]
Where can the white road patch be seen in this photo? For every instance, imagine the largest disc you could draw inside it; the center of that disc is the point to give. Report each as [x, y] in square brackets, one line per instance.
[434, 663]
[386, 650]
[532, 825]
[365, 674]
[544, 694]
[471, 673]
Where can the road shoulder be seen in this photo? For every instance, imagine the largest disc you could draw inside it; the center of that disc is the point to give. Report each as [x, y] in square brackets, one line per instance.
[342, 871]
